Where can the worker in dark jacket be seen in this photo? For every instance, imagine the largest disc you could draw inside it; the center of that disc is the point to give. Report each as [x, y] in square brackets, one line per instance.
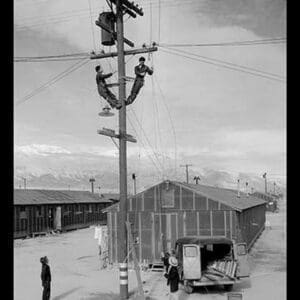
[140, 72]
[46, 277]
[103, 90]
[173, 277]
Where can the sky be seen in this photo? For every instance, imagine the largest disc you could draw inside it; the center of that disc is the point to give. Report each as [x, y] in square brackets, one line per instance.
[189, 111]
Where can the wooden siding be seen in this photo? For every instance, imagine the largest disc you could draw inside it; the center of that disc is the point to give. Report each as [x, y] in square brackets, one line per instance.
[157, 226]
[31, 219]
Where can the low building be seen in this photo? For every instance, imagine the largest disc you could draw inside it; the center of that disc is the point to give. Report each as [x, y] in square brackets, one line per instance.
[41, 211]
[170, 210]
[271, 200]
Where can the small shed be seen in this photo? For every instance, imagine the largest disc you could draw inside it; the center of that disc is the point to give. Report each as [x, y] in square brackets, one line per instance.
[170, 210]
[42, 211]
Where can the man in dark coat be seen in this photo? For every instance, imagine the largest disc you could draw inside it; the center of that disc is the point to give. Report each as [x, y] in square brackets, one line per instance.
[103, 89]
[140, 71]
[173, 277]
[46, 278]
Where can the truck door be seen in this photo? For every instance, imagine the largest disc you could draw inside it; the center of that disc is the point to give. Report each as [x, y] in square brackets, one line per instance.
[240, 254]
[191, 261]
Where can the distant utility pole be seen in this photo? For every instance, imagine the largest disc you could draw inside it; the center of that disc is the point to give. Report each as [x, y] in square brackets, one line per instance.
[134, 183]
[92, 180]
[197, 178]
[186, 171]
[238, 188]
[274, 187]
[122, 7]
[24, 179]
[265, 177]
[247, 192]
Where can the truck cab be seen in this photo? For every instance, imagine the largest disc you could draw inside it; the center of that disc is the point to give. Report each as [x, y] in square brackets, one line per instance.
[205, 261]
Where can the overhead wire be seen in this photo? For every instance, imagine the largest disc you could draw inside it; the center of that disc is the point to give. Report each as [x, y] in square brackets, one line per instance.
[53, 80]
[171, 122]
[143, 145]
[146, 137]
[229, 63]
[231, 43]
[92, 25]
[222, 65]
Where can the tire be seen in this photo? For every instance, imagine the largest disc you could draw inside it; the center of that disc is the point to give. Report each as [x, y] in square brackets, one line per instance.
[228, 287]
[187, 288]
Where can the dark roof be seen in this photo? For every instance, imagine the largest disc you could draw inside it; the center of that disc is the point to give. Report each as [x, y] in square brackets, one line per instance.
[111, 196]
[203, 240]
[32, 197]
[225, 196]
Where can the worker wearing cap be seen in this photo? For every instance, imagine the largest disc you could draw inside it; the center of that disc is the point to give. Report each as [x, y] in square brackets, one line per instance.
[103, 90]
[45, 277]
[140, 71]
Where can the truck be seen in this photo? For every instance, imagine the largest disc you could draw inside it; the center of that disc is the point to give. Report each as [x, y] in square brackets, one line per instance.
[207, 261]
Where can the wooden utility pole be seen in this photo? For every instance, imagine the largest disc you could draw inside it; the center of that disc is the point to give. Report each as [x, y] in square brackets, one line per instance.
[134, 183]
[186, 171]
[122, 236]
[274, 188]
[265, 177]
[92, 180]
[122, 7]
[24, 179]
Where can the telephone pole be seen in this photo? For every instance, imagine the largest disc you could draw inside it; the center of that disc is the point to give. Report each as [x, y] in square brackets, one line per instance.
[265, 177]
[123, 154]
[122, 7]
[134, 183]
[24, 179]
[186, 171]
[92, 180]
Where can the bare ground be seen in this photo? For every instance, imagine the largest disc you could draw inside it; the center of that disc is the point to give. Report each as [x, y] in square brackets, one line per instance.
[75, 270]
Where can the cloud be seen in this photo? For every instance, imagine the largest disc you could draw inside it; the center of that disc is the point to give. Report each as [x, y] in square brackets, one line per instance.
[44, 150]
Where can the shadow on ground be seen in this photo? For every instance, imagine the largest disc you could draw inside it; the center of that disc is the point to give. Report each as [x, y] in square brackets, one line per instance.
[65, 294]
[107, 296]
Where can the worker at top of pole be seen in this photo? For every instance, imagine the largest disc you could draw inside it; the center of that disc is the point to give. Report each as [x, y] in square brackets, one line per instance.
[140, 71]
[103, 89]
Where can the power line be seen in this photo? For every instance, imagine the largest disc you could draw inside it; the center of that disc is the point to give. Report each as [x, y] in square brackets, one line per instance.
[171, 121]
[53, 80]
[143, 145]
[93, 34]
[223, 65]
[232, 43]
[229, 63]
[155, 154]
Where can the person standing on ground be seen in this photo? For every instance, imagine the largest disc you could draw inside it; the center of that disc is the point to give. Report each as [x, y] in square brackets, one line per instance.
[46, 277]
[173, 278]
[140, 72]
[103, 89]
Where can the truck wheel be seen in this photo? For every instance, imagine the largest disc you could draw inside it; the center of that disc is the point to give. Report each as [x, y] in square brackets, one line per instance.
[187, 288]
[228, 287]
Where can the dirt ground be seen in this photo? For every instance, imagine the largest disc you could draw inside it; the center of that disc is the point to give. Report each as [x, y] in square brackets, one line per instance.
[73, 258]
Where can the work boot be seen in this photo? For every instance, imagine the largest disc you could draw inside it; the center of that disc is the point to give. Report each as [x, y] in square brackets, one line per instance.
[118, 106]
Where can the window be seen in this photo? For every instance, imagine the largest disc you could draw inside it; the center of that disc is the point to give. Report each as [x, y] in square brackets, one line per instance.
[23, 214]
[190, 251]
[209, 247]
[38, 211]
[168, 197]
[241, 249]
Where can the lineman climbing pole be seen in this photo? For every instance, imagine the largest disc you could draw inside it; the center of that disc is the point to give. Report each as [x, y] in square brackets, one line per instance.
[122, 7]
